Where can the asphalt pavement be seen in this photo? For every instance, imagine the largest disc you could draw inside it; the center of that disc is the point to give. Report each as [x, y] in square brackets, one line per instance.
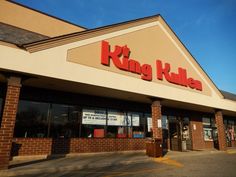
[185, 164]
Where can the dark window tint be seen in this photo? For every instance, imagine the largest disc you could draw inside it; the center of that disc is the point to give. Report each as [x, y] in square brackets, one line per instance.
[64, 121]
[1, 109]
[32, 119]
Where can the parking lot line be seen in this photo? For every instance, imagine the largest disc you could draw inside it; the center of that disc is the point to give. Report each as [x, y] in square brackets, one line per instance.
[168, 161]
[231, 151]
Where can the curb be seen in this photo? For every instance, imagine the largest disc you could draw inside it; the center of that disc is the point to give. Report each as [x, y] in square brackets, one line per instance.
[196, 153]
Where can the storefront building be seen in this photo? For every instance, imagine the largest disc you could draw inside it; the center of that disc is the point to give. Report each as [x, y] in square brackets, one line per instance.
[66, 89]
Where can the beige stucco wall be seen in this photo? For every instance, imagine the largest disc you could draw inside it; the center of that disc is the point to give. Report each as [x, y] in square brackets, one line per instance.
[31, 20]
[53, 63]
[146, 46]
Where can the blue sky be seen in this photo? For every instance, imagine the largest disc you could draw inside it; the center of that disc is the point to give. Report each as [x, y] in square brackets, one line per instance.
[206, 27]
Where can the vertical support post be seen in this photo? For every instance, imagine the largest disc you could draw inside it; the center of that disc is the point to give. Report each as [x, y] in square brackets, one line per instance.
[221, 130]
[8, 120]
[156, 115]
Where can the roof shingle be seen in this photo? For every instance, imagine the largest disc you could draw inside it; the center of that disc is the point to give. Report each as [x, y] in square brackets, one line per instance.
[18, 36]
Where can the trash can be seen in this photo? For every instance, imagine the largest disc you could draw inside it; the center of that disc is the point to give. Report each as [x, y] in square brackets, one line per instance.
[154, 147]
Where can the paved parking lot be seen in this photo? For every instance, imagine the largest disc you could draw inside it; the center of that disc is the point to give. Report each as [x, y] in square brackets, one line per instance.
[184, 164]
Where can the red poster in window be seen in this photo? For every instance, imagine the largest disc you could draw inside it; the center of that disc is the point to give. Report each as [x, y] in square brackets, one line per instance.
[98, 133]
[121, 135]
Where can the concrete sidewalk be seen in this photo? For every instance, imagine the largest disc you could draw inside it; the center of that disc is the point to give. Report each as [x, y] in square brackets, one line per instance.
[86, 161]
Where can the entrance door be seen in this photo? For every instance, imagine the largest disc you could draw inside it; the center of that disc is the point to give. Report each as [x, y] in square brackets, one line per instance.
[229, 132]
[174, 133]
[179, 134]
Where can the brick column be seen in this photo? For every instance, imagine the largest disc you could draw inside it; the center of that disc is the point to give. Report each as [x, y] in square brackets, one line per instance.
[156, 115]
[221, 130]
[8, 120]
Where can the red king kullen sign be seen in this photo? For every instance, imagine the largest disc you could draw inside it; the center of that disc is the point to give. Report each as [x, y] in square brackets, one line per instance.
[120, 58]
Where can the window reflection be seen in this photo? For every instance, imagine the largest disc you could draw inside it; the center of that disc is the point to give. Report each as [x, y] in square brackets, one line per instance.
[117, 124]
[31, 119]
[64, 121]
[138, 124]
[230, 131]
[93, 123]
[148, 127]
[40, 120]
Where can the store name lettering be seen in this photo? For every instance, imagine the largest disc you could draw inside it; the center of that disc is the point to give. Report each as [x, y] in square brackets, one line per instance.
[120, 57]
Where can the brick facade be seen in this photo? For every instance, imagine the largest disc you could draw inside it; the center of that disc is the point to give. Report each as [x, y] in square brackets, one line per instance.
[156, 115]
[221, 130]
[31, 146]
[47, 146]
[8, 120]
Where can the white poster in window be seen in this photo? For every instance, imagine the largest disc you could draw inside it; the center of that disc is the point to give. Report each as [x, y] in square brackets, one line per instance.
[135, 119]
[94, 116]
[149, 124]
[159, 123]
[207, 134]
[116, 118]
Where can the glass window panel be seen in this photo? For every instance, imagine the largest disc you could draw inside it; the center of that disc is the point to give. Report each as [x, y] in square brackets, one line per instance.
[213, 122]
[230, 130]
[64, 121]
[208, 125]
[117, 124]
[234, 131]
[1, 106]
[32, 119]
[134, 117]
[138, 124]
[185, 131]
[206, 121]
[172, 119]
[148, 126]
[149, 123]
[231, 122]
[207, 134]
[225, 122]
[164, 122]
[117, 118]
[93, 123]
[186, 120]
